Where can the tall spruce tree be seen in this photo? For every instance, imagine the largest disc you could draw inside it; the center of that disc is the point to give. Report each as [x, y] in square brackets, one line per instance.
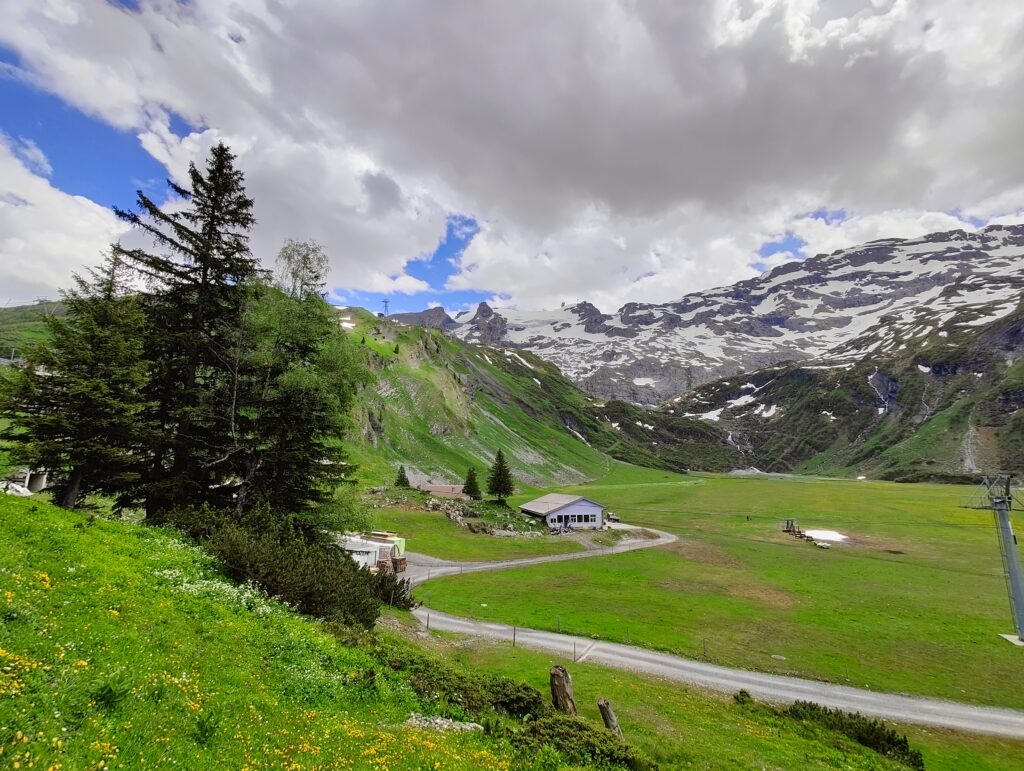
[471, 487]
[199, 277]
[75, 406]
[499, 482]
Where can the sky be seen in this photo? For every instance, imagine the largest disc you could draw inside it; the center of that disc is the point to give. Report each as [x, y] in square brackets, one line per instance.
[529, 154]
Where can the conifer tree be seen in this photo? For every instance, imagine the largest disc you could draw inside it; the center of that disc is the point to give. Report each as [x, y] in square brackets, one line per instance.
[499, 482]
[198, 279]
[402, 480]
[75, 407]
[471, 487]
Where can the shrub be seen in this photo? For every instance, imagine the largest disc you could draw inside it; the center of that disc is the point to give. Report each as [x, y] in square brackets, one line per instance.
[867, 731]
[437, 681]
[580, 742]
[392, 590]
[289, 557]
[514, 698]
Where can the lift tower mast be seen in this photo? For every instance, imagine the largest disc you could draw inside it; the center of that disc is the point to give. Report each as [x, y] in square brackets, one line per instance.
[1001, 502]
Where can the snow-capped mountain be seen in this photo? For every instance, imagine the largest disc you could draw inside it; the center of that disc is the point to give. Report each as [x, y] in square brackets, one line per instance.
[877, 297]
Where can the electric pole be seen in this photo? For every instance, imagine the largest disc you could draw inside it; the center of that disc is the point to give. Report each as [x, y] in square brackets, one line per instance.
[386, 303]
[1001, 502]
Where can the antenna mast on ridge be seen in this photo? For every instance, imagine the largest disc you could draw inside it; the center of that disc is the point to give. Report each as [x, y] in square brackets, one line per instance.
[1000, 501]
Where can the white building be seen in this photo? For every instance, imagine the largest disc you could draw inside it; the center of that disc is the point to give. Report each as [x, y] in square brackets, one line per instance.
[366, 553]
[573, 511]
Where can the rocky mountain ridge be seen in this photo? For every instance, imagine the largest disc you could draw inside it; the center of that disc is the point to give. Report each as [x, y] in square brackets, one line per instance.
[947, 409]
[845, 306]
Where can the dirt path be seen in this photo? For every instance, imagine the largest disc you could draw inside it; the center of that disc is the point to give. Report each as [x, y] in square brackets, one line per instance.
[776, 688]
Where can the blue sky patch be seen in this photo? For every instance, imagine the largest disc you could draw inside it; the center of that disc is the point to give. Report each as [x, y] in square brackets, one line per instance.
[89, 157]
[435, 271]
[788, 243]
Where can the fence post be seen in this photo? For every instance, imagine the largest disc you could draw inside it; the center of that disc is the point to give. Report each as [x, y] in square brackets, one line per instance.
[513, 637]
[428, 620]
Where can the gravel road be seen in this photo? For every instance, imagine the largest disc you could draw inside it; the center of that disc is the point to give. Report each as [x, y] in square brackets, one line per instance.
[776, 688]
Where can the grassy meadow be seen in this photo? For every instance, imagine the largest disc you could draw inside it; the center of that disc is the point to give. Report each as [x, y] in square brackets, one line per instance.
[685, 727]
[122, 646]
[913, 602]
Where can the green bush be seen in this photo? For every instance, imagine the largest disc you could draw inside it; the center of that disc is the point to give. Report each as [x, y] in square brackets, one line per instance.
[869, 732]
[514, 698]
[289, 557]
[392, 590]
[580, 742]
[469, 693]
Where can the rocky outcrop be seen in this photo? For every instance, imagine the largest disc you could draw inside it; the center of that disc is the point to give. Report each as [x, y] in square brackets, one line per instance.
[432, 318]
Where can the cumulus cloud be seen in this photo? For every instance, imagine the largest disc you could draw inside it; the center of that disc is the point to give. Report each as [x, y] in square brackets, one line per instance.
[611, 150]
[45, 234]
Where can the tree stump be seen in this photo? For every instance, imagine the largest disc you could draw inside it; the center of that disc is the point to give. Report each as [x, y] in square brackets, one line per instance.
[608, 716]
[561, 690]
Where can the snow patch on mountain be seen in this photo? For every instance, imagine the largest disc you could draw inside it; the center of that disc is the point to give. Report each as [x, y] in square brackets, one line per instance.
[829, 310]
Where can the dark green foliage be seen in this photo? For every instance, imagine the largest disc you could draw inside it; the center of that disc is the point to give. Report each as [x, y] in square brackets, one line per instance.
[742, 697]
[392, 590]
[289, 557]
[868, 732]
[199, 281]
[402, 479]
[471, 487]
[467, 693]
[515, 698]
[293, 379]
[580, 742]
[500, 483]
[75, 407]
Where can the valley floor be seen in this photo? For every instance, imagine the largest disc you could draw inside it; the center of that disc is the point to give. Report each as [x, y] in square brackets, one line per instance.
[912, 602]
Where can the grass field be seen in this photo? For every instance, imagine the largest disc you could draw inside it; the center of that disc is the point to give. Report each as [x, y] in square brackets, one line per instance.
[690, 728]
[432, 533]
[915, 603]
[121, 646]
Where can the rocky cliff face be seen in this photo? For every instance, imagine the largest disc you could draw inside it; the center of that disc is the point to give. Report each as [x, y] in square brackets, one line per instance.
[432, 318]
[876, 298]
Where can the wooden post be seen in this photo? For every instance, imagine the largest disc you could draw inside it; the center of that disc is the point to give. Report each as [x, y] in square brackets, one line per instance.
[561, 690]
[608, 716]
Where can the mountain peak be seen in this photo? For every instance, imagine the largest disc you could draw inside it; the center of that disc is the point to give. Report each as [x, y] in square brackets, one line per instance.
[872, 298]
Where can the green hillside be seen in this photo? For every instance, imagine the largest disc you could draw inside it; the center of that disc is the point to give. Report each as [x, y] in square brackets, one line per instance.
[440, 405]
[946, 410]
[22, 324]
[122, 646]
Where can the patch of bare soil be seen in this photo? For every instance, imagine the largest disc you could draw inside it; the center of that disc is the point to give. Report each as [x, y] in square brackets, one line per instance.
[704, 553]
